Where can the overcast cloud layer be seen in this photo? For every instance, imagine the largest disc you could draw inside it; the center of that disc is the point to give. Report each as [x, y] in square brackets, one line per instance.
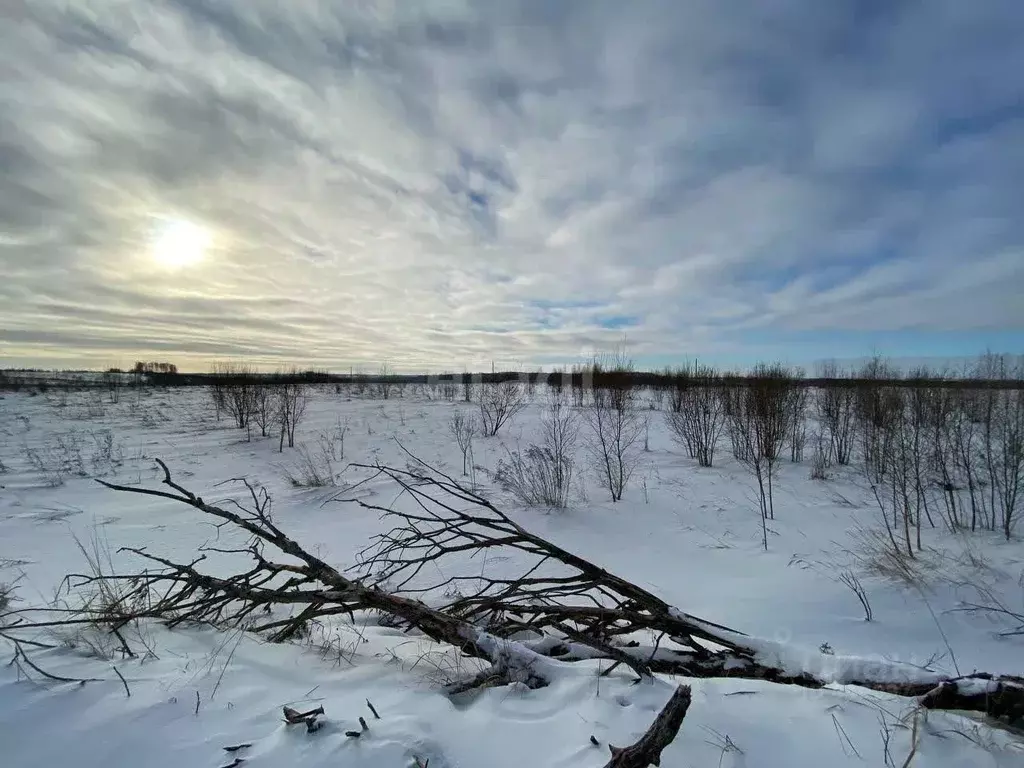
[446, 183]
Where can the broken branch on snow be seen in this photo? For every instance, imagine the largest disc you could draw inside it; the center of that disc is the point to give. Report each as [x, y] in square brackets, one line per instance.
[647, 750]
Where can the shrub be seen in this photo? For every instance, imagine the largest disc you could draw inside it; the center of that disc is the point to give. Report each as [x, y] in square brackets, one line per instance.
[697, 417]
[316, 465]
[542, 474]
[535, 476]
[499, 404]
[835, 410]
[616, 427]
[463, 427]
[819, 462]
[312, 469]
[760, 415]
[290, 408]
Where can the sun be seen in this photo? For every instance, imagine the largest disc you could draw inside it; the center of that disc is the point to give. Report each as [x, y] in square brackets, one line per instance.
[177, 243]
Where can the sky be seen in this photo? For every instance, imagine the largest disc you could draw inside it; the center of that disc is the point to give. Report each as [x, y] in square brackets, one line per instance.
[445, 183]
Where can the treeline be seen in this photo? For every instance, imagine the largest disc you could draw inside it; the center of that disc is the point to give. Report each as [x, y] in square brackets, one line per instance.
[596, 376]
[153, 367]
[995, 371]
[989, 371]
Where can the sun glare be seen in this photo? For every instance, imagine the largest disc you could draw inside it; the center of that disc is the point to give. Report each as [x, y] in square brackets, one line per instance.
[178, 243]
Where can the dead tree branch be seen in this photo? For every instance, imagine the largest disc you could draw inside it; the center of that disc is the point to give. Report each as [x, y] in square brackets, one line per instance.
[559, 607]
[647, 751]
[316, 589]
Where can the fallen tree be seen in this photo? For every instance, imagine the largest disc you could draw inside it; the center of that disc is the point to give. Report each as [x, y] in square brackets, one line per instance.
[558, 608]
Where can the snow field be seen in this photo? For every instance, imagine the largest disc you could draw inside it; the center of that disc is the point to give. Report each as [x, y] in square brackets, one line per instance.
[690, 535]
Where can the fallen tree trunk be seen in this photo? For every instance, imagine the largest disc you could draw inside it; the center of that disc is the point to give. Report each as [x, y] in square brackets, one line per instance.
[1002, 699]
[579, 609]
[561, 608]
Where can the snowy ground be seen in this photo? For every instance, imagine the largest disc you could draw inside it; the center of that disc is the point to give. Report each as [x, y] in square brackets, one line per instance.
[690, 535]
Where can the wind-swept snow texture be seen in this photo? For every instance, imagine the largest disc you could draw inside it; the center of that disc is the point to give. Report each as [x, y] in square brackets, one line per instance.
[690, 535]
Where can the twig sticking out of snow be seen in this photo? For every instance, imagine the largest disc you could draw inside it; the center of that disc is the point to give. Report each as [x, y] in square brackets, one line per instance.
[127, 690]
[372, 709]
[362, 724]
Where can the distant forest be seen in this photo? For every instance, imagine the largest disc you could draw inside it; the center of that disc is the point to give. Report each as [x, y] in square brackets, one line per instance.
[988, 371]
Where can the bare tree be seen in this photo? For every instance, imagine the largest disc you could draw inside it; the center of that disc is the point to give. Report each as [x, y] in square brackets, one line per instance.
[987, 440]
[835, 410]
[681, 384]
[114, 383]
[1003, 438]
[263, 405]
[238, 385]
[499, 403]
[771, 399]
[218, 394]
[463, 427]
[918, 405]
[581, 381]
[291, 407]
[448, 387]
[966, 431]
[698, 421]
[890, 471]
[532, 378]
[798, 422]
[557, 381]
[940, 415]
[734, 402]
[747, 444]
[1010, 454]
[386, 384]
[877, 407]
[615, 436]
[560, 429]
[759, 421]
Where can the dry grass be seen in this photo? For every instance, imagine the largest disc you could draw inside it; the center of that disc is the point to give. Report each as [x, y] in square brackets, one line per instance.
[107, 604]
[874, 553]
[849, 579]
[7, 596]
[446, 666]
[888, 728]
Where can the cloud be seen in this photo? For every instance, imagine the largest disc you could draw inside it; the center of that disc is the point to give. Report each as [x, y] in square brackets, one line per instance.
[441, 184]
